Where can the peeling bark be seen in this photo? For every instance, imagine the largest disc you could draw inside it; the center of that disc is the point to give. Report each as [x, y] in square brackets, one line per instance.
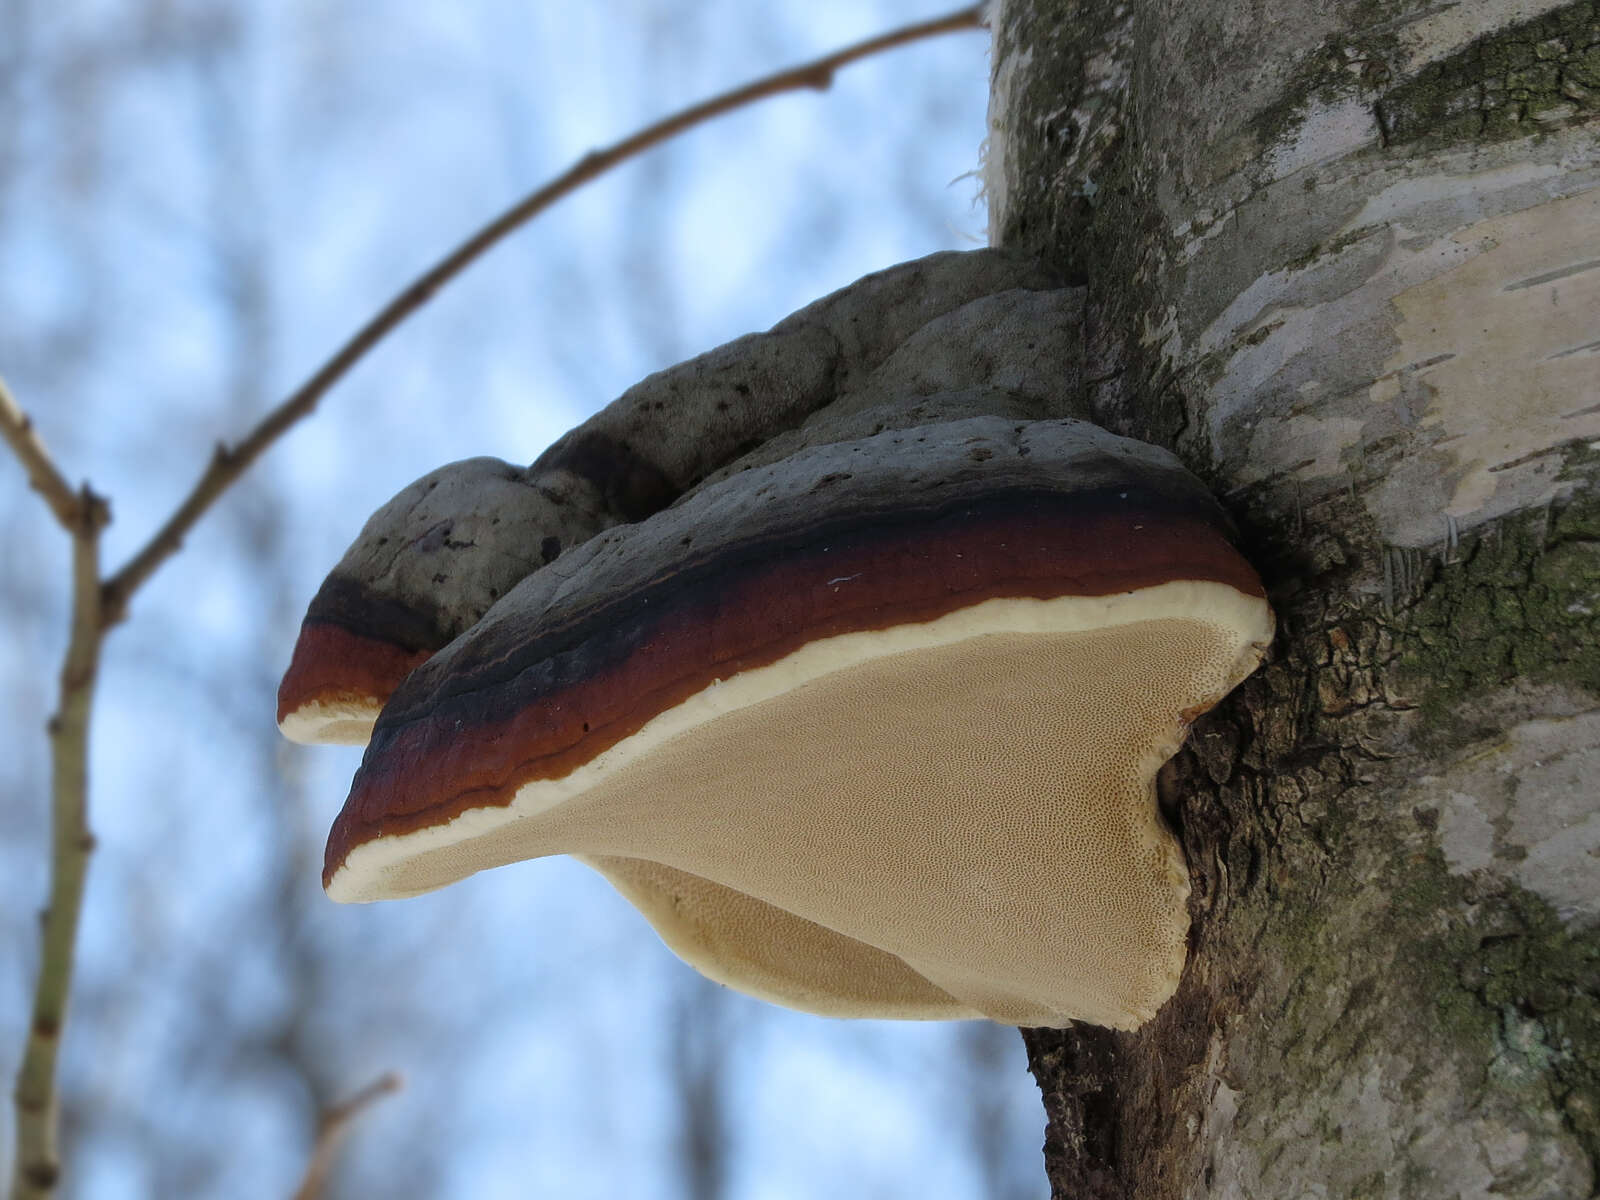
[1345, 259]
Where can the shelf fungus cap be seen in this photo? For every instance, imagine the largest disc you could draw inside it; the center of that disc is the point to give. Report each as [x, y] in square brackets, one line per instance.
[871, 731]
[425, 566]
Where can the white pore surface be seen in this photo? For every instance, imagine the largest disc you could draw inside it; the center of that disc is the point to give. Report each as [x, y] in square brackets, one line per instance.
[937, 820]
[344, 721]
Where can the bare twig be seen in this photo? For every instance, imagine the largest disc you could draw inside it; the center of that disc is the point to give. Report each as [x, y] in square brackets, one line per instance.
[227, 464]
[43, 475]
[332, 1127]
[38, 1162]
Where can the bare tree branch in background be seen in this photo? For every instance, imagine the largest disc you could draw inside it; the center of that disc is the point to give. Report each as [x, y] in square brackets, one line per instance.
[100, 604]
[43, 475]
[702, 1045]
[333, 1126]
[83, 515]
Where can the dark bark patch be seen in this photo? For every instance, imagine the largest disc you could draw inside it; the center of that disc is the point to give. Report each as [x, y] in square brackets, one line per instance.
[1079, 1072]
[1518, 603]
[1507, 84]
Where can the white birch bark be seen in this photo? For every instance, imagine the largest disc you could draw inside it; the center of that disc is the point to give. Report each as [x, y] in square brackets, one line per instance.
[1345, 259]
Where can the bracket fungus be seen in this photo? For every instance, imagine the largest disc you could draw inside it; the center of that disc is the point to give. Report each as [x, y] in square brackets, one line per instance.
[433, 560]
[868, 731]
[845, 652]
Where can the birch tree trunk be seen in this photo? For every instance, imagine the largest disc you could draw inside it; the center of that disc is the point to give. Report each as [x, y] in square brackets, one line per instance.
[1345, 259]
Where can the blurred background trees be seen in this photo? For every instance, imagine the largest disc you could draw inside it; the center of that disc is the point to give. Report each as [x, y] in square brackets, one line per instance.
[198, 200]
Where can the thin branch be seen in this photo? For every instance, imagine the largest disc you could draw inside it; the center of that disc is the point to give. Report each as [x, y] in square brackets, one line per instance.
[43, 474]
[38, 1160]
[332, 1127]
[227, 464]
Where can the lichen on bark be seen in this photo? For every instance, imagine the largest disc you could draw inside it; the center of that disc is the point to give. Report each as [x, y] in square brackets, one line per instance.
[1519, 602]
[1545, 70]
[1383, 1021]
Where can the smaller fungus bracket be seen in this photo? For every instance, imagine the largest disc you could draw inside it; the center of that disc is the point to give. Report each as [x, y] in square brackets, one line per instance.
[426, 566]
[871, 730]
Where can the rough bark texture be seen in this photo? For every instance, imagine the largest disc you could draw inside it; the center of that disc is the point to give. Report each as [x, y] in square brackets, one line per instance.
[1345, 259]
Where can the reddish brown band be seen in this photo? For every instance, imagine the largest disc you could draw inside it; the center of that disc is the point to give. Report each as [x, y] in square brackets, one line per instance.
[509, 705]
[331, 664]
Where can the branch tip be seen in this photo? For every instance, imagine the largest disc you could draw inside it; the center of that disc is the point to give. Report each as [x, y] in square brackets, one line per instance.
[17, 428]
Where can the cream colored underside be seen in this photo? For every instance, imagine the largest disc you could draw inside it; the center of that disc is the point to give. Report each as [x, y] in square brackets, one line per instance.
[938, 820]
[342, 722]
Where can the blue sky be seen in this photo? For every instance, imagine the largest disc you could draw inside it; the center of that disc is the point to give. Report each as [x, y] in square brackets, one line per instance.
[200, 200]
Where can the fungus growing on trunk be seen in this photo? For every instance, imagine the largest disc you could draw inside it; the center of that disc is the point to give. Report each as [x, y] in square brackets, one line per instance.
[870, 731]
